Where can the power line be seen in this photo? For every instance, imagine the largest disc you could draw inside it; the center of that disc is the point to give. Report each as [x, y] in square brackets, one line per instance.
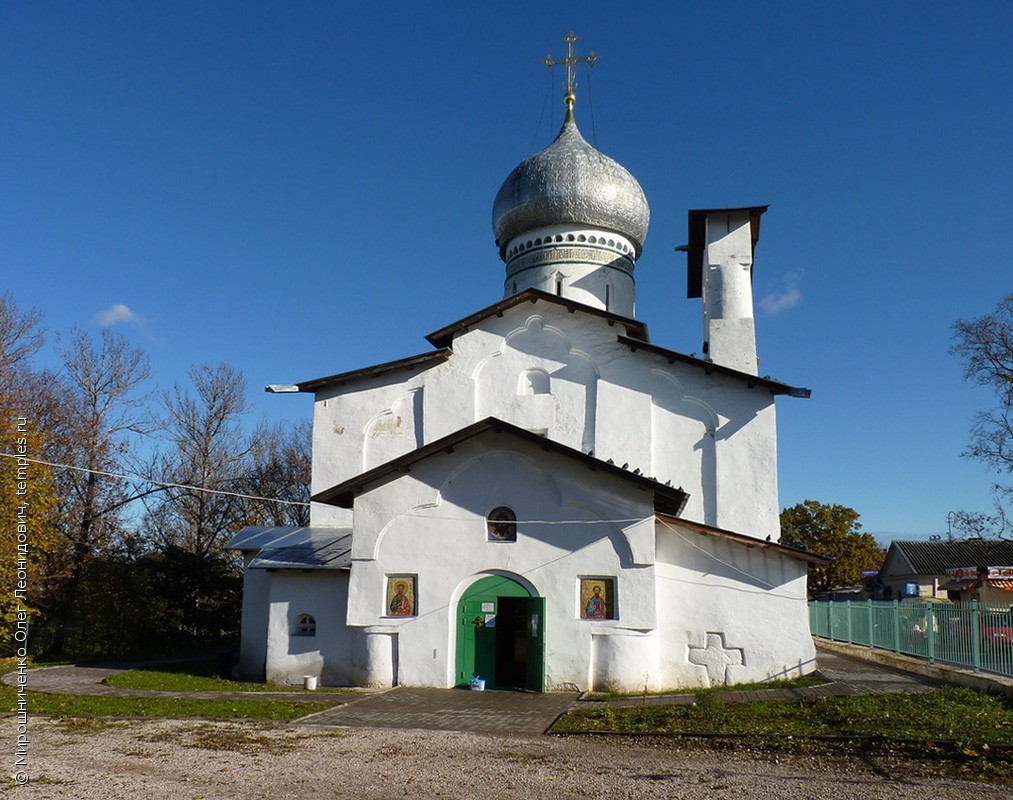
[163, 484]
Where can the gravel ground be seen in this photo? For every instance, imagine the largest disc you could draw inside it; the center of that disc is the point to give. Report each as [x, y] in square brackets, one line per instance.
[186, 759]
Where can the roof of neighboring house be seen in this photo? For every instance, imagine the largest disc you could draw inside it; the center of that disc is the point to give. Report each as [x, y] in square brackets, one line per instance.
[296, 548]
[935, 557]
[667, 499]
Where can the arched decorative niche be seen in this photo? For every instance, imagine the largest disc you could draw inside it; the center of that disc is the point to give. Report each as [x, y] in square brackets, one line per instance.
[533, 381]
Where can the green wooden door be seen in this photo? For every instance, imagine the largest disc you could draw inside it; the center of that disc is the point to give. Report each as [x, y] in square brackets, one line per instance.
[476, 646]
[536, 644]
[476, 639]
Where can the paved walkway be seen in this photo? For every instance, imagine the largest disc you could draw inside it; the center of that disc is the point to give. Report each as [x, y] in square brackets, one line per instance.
[503, 713]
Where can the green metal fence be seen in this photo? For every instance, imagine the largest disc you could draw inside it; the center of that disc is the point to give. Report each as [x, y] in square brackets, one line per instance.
[965, 634]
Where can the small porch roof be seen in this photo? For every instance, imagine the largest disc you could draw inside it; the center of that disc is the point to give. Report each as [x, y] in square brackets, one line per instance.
[295, 548]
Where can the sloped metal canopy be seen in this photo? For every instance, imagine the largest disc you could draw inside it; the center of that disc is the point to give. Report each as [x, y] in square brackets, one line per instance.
[296, 548]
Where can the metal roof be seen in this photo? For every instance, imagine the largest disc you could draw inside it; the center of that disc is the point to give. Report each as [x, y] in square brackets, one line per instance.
[296, 548]
[667, 499]
[423, 361]
[570, 182]
[935, 557]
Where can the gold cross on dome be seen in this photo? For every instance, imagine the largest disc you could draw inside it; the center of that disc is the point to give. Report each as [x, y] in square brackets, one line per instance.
[571, 61]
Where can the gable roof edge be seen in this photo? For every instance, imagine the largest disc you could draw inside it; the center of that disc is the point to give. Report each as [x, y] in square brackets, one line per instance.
[423, 360]
[773, 386]
[673, 500]
[748, 541]
[445, 335]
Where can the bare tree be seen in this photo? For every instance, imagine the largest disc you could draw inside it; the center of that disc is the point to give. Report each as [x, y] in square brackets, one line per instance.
[210, 458]
[103, 410]
[20, 339]
[977, 524]
[280, 471]
[985, 345]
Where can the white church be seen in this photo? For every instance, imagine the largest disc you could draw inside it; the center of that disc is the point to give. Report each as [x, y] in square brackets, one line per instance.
[546, 498]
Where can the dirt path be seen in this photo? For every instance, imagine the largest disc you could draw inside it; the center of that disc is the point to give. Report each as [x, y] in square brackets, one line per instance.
[186, 760]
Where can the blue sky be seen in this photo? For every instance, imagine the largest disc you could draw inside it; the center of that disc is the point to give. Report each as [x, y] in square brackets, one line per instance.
[305, 188]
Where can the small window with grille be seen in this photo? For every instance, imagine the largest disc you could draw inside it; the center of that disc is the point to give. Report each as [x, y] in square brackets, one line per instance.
[305, 625]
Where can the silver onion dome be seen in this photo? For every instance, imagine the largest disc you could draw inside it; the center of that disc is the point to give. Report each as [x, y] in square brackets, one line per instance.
[570, 182]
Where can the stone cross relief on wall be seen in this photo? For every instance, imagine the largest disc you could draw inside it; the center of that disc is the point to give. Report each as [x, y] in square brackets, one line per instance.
[714, 657]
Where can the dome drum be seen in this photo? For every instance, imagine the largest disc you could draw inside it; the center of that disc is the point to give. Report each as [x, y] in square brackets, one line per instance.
[567, 244]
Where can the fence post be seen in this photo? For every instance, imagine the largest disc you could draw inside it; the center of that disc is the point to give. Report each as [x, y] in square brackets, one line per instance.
[872, 635]
[975, 637]
[930, 631]
[896, 627]
[847, 612]
[830, 621]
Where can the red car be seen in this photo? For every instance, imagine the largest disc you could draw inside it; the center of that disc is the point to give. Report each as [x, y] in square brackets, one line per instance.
[994, 629]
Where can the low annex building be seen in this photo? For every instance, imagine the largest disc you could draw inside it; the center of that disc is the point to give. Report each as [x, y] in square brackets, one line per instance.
[546, 498]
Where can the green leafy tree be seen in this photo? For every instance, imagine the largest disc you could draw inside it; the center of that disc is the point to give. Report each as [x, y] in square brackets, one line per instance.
[832, 531]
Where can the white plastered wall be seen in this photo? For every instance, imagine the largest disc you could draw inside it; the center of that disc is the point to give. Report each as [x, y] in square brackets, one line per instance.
[431, 523]
[632, 407]
[253, 624]
[333, 654]
[729, 613]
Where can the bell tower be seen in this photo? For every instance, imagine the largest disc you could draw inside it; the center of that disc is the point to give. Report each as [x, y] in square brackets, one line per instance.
[720, 250]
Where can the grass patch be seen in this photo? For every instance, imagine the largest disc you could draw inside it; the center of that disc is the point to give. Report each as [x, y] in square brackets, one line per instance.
[197, 676]
[953, 713]
[226, 738]
[64, 705]
[793, 683]
[88, 725]
[956, 731]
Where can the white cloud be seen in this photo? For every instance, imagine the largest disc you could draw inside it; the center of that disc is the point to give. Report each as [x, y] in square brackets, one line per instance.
[118, 312]
[776, 302]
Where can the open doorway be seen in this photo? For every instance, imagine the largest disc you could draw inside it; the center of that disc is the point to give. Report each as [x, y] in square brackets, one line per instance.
[500, 635]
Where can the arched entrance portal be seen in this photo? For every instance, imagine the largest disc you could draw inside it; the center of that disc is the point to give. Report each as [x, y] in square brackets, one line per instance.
[501, 635]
